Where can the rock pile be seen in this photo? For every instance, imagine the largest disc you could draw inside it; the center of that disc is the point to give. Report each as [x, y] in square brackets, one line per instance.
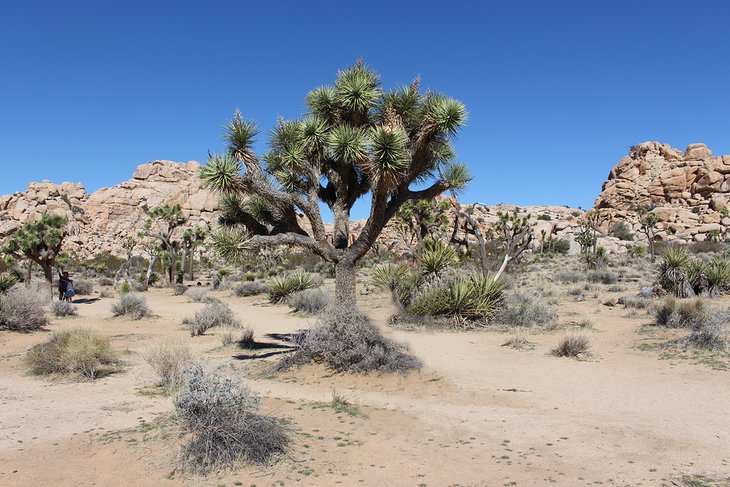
[687, 191]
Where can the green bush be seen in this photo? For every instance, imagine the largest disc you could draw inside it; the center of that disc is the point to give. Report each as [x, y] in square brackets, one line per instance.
[469, 298]
[281, 287]
[621, 231]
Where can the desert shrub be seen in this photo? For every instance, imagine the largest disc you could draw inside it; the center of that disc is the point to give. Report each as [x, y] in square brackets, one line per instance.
[572, 346]
[179, 289]
[637, 250]
[61, 309]
[83, 287]
[249, 276]
[711, 333]
[570, 277]
[471, 298]
[22, 309]
[132, 306]
[246, 338]
[680, 313]
[197, 295]
[168, 360]
[106, 292]
[213, 314]
[106, 281]
[85, 352]
[346, 341]
[7, 281]
[281, 287]
[635, 302]
[525, 309]
[560, 246]
[604, 277]
[621, 231]
[706, 246]
[310, 300]
[226, 430]
[436, 257]
[125, 288]
[717, 276]
[250, 289]
[544, 217]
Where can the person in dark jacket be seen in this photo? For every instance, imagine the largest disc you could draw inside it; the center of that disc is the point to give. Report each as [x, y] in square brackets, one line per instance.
[63, 279]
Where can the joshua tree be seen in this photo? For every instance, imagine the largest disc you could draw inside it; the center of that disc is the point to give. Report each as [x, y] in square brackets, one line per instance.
[587, 236]
[40, 242]
[161, 225]
[648, 221]
[420, 220]
[355, 139]
[191, 239]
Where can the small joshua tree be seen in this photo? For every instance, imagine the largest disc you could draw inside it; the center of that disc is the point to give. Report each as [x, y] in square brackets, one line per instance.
[191, 239]
[648, 221]
[161, 225]
[587, 236]
[421, 220]
[39, 241]
[356, 139]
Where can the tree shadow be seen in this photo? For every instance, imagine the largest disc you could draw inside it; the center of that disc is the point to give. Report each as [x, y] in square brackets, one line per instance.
[85, 300]
[254, 356]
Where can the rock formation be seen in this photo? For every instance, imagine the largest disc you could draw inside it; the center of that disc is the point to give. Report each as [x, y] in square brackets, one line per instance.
[100, 222]
[688, 192]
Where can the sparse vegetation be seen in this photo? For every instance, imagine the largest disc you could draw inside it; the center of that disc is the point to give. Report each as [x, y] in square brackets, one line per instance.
[603, 277]
[179, 289]
[62, 309]
[83, 352]
[22, 309]
[131, 305]
[212, 315]
[169, 360]
[310, 300]
[283, 286]
[83, 287]
[525, 309]
[711, 333]
[679, 313]
[197, 295]
[346, 341]
[226, 430]
[251, 288]
[574, 346]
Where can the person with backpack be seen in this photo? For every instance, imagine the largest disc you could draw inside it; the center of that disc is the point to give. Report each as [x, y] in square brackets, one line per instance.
[63, 279]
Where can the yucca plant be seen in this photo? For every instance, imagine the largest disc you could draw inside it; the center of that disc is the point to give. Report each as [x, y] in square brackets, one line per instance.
[356, 138]
[717, 275]
[473, 298]
[282, 286]
[388, 276]
[436, 257]
[673, 276]
[697, 275]
[7, 281]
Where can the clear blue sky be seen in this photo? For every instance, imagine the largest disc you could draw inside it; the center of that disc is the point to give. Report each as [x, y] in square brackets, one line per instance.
[556, 91]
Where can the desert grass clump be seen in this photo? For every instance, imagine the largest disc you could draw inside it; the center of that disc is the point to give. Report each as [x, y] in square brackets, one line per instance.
[83, 287]
[169, 359]
[197, 295]
[309, 301]
[84, 352]
[212, 315]
[680, 313]
[251, 288]
[711, 334]
[635, 302]
[226, 429]
[62, 309]
[346, 341]
[526, 310]
[281, 287]
[572, 346]
[22, 309]
[131, 305]
[179, 289]
[570, 277]
[603, 277]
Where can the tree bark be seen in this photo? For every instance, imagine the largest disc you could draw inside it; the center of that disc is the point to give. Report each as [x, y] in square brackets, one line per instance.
[345, 283]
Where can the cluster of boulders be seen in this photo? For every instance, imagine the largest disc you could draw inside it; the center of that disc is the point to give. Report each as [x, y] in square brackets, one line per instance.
[688, 191]
[101, 221]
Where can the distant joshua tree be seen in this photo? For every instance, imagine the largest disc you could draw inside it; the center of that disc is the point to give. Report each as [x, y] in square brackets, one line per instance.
[356, 139]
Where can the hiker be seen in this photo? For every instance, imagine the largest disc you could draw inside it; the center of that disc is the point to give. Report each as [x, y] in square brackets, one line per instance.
[63, 279]
[69, 294]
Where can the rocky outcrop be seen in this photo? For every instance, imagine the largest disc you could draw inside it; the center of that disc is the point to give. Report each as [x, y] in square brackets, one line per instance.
[101, 221]
[687, 191]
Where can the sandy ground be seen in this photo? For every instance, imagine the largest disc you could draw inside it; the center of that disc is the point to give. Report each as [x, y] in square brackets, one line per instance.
[478, 414]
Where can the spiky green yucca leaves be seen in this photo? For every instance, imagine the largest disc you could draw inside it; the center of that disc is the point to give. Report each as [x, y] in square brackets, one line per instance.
[717, 275]
[436, 257]
[474, 298]
[230, 243]
[283, 286]
[7, 281]
[673, 272]
[240, 136]
[389, 276]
